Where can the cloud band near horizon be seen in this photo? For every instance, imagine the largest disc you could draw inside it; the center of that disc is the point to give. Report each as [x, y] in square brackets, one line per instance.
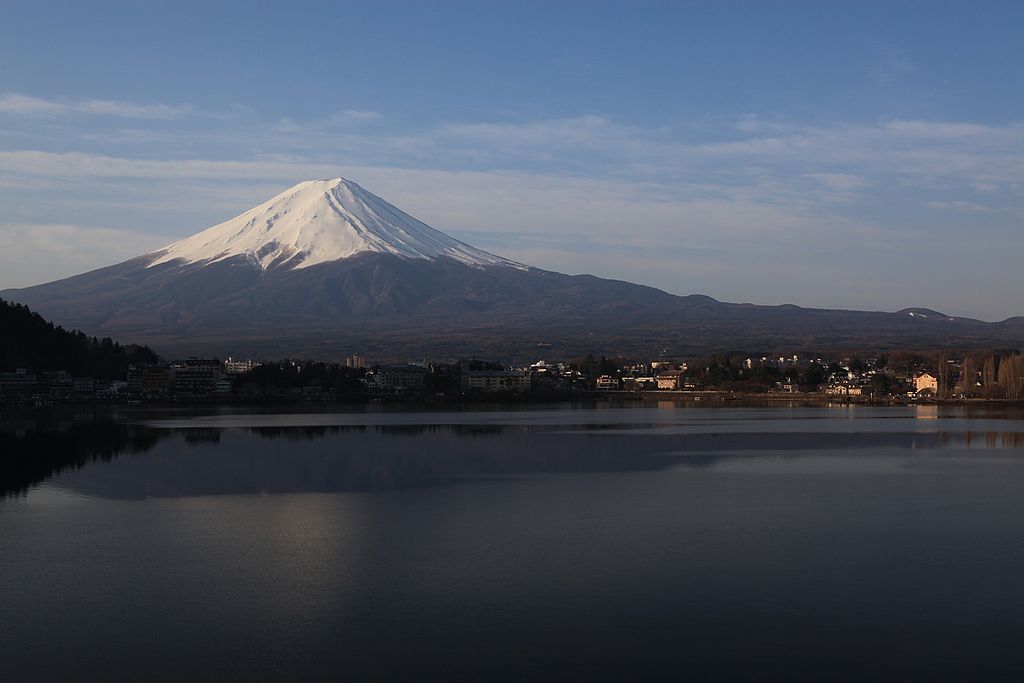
[881, 216]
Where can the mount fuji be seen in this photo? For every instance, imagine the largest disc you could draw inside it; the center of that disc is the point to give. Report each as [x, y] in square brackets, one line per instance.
[327, 268]
[320, 221]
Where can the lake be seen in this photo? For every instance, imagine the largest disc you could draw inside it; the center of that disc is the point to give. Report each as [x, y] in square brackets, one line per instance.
[657, 541]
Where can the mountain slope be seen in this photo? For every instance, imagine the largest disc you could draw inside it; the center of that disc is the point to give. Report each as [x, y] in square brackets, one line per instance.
[318, 221]
[326, 268]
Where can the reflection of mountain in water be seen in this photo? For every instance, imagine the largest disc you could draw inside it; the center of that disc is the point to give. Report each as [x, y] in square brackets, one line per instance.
[350, 458]
[211, 461]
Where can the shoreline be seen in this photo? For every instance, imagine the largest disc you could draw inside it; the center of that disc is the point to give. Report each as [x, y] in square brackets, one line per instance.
[710, 399]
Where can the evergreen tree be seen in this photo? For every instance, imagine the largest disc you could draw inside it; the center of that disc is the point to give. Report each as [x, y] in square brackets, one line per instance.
[29, 341]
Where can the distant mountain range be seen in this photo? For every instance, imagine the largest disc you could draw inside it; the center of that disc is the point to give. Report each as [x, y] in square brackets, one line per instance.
[327, 268]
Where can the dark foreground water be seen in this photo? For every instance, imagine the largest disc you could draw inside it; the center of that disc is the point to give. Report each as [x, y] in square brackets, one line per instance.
[613, 543]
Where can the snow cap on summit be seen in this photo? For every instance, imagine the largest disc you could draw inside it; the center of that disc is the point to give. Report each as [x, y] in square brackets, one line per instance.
[318, 221]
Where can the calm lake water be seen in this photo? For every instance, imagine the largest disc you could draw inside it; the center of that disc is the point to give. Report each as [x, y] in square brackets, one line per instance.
[657, 542]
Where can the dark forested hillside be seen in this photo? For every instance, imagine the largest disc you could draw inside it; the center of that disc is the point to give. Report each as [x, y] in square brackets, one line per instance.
[29, 341]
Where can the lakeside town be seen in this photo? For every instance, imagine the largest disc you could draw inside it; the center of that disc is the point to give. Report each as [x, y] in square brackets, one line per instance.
[888, 378]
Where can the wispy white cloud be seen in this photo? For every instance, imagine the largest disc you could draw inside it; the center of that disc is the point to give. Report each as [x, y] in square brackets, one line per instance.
[584, 194]
[327, 125]
[842, 182]
[890, 65]
[807, 166]
[27, 105]
[968, 207]
[786, 161]
[82, 165]
[915, 155]
[587, 129]
[353, 115]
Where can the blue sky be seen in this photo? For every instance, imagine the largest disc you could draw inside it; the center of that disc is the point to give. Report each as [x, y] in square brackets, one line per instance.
[838, 154]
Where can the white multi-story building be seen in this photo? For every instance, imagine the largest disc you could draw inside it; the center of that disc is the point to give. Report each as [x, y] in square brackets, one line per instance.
[238, 367]
[926, 381]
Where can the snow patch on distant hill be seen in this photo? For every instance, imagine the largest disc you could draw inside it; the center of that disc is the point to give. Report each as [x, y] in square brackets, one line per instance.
[319, 221]
[925, 314]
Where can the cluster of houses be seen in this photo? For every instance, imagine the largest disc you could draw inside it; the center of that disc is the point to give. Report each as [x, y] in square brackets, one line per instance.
[190, 378]
[841, 379]
[204, 377]
[657, 375]
[854, 384]
[414, 379]
[22, 386]
[918, 384]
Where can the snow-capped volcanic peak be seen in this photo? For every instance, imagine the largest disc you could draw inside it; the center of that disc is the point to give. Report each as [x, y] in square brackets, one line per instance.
[318, 221]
